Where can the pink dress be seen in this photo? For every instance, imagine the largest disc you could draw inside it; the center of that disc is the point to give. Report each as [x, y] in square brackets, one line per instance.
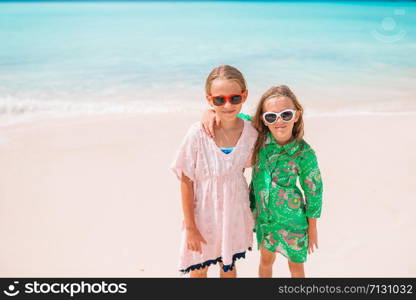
[222, 208]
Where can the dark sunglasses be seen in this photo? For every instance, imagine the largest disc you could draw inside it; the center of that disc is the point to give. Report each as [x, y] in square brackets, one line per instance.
[221, 99]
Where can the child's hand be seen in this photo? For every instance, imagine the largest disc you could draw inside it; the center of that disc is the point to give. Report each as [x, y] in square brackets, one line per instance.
[313, 239]
[194, 240]
[208, 120]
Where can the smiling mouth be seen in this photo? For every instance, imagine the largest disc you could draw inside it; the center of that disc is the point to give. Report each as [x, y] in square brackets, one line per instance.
[228, 112]
[279, 127]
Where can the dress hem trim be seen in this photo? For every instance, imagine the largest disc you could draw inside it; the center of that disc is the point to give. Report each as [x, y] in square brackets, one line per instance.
[207, 263]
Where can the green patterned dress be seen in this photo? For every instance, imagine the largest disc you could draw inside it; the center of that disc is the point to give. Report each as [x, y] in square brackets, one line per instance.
[279, 208]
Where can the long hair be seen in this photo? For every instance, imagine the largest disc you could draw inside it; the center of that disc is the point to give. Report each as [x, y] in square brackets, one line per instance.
[275, 92]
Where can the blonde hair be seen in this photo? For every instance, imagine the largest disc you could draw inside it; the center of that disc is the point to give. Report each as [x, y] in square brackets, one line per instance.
[275, 92]
[225, 72]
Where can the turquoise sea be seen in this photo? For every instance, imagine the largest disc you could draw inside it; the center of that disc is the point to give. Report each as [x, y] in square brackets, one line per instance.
[60, 58]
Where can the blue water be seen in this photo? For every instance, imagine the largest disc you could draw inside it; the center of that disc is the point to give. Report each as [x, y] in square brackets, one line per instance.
[154, 56]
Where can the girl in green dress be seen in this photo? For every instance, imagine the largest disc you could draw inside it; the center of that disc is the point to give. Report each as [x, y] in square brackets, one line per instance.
[285, 219]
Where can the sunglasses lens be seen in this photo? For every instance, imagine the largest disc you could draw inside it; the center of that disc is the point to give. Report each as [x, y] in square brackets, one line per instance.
[287, 116]
[236, 99]
[270, 118]
[218, 101]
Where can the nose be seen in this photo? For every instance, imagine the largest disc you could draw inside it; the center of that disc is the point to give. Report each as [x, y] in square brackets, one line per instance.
[227, 104]
[279, 121]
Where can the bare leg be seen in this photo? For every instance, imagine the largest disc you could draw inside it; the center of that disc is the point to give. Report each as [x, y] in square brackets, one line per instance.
[267, 259]
[296, 269]
[228, 274]
[201, 273]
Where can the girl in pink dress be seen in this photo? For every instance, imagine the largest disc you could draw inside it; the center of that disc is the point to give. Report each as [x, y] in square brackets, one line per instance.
[217, 224]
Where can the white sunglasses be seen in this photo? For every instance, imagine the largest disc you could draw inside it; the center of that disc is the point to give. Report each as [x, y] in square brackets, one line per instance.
[271, 117]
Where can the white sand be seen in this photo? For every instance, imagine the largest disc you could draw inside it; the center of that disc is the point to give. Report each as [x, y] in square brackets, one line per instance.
[93, 196]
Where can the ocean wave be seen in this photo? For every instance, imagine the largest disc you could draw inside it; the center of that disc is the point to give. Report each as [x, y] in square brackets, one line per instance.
[11, 106]
[16, 110]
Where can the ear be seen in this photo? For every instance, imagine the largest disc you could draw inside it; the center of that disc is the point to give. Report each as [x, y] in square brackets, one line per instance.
[245, 96]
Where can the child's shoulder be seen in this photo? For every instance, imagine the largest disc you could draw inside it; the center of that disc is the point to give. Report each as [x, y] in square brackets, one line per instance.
[195, 131]
[245, 117]
[250, 128]
[305, 150]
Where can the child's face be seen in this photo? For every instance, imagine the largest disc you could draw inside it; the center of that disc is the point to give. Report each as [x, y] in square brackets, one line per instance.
[282, 131]
[224, 87]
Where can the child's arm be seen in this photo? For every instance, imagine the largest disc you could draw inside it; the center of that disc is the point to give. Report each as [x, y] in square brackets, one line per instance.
[193, 236]
[312, 235]
[187, 192]
[184, 167]
[311, 182]
[209, 118]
